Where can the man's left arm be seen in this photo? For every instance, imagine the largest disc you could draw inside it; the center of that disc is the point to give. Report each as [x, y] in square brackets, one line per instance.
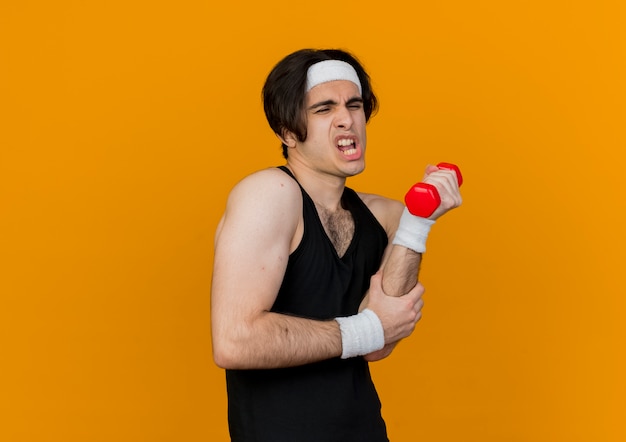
[401, 262]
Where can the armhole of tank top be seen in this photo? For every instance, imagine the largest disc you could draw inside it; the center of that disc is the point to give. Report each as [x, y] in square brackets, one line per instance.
[366, 210]
[298, 250]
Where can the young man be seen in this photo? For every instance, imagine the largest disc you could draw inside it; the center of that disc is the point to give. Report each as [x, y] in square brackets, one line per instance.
[304, 266]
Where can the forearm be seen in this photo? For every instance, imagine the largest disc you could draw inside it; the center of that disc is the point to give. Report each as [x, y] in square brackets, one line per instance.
[400, 270]
[273, 340]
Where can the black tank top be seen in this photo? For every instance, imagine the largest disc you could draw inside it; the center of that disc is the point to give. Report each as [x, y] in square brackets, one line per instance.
[331, 400]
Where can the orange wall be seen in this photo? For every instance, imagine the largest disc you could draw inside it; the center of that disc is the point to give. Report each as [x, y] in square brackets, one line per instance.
[125, 124]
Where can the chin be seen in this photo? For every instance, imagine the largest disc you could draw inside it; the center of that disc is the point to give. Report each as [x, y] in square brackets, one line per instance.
[355, 169]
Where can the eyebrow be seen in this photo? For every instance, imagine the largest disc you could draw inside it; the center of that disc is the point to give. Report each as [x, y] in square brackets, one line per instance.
[334, 103]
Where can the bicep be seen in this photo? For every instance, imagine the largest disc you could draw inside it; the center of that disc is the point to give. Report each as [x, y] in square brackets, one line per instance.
[251, 252]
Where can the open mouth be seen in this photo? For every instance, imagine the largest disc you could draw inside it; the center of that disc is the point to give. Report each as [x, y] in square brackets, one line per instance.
[347, 146]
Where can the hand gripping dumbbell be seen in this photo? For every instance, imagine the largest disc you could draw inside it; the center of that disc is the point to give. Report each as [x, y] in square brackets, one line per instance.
[423, 199]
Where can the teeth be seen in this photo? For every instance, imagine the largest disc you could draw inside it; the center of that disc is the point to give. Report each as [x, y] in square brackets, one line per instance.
[345, 142]
[349, 151]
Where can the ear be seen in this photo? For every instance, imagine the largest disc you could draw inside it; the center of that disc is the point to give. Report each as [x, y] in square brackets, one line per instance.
[288, 138]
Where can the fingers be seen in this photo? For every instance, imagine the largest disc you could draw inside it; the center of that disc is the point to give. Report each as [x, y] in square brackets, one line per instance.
[417, 307]
[377, 278]
[398, 315]
[418, 290]
[418, 310]
[447, 185]
[445, 178]
[430, 169]
[376, 285]
[415, 296]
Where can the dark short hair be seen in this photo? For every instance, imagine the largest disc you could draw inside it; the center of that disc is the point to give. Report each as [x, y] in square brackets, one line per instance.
[284, 90]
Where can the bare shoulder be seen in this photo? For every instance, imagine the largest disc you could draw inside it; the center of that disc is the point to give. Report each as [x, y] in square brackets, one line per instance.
[263, 191]
[386, 210]
[266, 196]
[273, 182]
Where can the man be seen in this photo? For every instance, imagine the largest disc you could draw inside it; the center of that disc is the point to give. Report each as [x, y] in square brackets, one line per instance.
[298, 305]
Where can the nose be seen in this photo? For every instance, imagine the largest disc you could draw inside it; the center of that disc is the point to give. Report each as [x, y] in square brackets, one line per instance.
[343, 118]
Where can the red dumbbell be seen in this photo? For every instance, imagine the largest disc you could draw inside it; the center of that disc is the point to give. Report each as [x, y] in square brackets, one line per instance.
[423, 199]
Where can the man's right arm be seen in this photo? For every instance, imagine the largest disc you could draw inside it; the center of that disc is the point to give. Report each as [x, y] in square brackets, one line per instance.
[252, 249]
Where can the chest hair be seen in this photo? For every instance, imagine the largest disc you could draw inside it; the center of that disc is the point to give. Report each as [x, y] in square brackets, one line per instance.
[339, 227]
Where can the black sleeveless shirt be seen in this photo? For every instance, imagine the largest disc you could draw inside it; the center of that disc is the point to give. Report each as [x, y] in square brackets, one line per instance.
[331, 400]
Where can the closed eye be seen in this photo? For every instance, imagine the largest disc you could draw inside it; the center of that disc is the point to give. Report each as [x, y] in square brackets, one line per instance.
[355, 103]
[322, 106]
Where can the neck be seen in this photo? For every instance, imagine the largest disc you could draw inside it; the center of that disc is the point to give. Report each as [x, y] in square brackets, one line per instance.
[324, 189]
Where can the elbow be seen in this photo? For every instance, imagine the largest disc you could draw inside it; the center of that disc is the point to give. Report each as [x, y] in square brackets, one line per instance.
[227, 355]
[223, 346]
[223, 359]
[234, 346]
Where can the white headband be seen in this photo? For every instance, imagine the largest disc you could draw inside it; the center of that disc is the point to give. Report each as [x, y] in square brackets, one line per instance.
[331, 70]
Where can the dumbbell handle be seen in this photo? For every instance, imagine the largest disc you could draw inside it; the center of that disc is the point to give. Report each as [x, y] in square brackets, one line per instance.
[423, 199]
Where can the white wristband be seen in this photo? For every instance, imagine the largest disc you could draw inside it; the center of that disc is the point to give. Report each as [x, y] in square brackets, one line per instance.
[413, 231]
[361, 334]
